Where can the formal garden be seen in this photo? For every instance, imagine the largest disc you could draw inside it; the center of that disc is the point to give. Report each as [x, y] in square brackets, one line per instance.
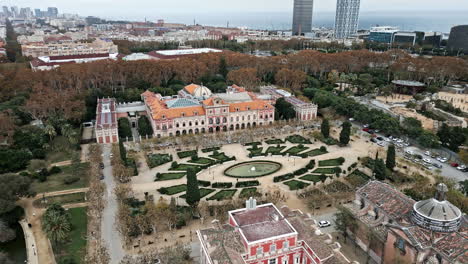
[224, 175]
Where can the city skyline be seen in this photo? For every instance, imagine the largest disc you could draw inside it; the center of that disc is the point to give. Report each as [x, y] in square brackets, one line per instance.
[122, 8]
[346, 18]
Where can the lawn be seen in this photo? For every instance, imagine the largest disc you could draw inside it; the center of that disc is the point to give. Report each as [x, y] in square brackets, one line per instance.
[169, 176]
[331, 162]
[61, 199]
[221, 157]
[56, 182]
[248, 192]
[203, 161]
[275, 141]
[155, 160]
[76, 247]
[255, 151]
[185, 167]
[60, 150]
[316, 152]
[295, 150]
[357, 178]
[185, 154]
[203, 192]
[173, 189]
[314, 178]
[206, 150]
[326, 170]
[275, 150]
[223, 195]
[296, 185]
[297, 139]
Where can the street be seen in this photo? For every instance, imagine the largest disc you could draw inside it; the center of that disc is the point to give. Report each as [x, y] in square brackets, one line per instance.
[110, 236]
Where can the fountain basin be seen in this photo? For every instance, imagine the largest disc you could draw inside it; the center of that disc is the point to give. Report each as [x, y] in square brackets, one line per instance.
[252, 169]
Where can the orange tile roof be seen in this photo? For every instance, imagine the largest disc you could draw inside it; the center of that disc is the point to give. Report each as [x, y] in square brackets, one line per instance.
[191, 88]
[159, 108]
[253, 105]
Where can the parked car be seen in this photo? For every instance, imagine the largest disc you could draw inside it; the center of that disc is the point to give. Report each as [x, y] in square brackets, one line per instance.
[427, 153]
[409, 152]
[101, 177]
[427, 160]
[373, 140]
[380, 138]
[381, 144]
[324, 224]
[454, 164]
[101, 165]
[365, 129]
[461, 167]
[365, 126]
[437, 165]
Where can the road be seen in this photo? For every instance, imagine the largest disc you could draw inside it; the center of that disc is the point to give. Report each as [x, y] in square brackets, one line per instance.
[109, 234]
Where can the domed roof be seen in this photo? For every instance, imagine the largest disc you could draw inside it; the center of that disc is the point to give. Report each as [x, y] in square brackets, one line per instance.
[437, 214]
[202, 91]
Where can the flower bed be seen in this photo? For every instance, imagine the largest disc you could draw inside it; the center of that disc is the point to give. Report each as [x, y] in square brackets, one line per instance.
[332, 162]
[221, 157]
[275, 141]
[283, 177]
[249, 192]
[317, 152]
[327, 170]
[295, 150]
[297, 139]
[247, 184]
[203, 161]
[203, 192]
[222, 185]
[314, 178]
[185, 167]
[206, 150]
[275, 150]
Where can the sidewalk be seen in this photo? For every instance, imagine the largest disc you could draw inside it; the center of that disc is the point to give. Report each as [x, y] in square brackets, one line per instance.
[31, 250]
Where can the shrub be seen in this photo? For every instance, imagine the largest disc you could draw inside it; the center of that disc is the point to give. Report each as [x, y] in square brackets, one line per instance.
[223, 185]
[323, 148]
[55, 170]
[71, 179]
[300, 171]
[311, 165]
[247, 184]
[204, 183]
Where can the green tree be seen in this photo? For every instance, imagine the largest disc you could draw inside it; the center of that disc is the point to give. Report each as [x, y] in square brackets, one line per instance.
[464, 187]
[123, 152]
[50, 131]
[144, 126]
[380, 171]
[124, 128]
[12, 187]
[284, 110]
[223, 70]
[56, 224]
[390, 162]
[193, 192]
[345, 133]
[325, 128]
[428, 140]
[412, 127]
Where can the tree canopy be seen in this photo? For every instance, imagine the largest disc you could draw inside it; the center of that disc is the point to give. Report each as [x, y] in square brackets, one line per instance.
[284, 110]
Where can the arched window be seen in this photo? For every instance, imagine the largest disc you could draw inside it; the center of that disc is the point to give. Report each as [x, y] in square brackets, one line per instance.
[211, 121]
[224, 120]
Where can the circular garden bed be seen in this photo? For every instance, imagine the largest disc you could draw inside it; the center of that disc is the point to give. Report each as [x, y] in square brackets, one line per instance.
[253, 169]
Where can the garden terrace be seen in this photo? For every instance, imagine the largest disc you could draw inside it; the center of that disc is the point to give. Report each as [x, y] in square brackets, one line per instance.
[186, 154]
[327, 170]
[314, 178]
[223, 195]
[173, 189]
[296, 185]
[274, 141]
[203, 192]
[297, 139]
[331, 162]
[295, 150]
[169, 176]
[249, 192]
[206, 150]
[155, 160]
[316, 152]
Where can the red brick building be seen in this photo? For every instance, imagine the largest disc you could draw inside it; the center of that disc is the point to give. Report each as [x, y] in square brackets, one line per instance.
[106, 121]
[266, 235]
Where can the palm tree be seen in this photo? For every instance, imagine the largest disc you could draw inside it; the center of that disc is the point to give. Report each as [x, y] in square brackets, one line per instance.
[56, 224]
[50, 130]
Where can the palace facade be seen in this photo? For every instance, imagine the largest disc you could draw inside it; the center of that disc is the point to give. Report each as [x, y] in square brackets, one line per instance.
[197, 110]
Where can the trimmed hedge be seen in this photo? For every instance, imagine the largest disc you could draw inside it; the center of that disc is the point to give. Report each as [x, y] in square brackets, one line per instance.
[296, 185]
[204, 183]
[253, 143]
[300, 171]
[186, 154]
[169, 176]
[247, 184]
[249, 192]
[332, 162]
[283, 177]
[222, 185]
[223, 195]
[327, 170]
[297, 139]
[311, 165]
[206, 150]
[155, 160]
[173, 189]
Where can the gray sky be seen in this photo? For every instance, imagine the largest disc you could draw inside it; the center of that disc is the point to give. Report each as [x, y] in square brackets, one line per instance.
[154, 7]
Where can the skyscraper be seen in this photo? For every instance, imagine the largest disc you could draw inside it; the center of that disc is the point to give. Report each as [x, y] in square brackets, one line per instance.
[347, 18]
[302, 16]
[52, 12]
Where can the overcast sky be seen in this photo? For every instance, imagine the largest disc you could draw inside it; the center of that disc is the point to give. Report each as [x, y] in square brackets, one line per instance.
[155, 7]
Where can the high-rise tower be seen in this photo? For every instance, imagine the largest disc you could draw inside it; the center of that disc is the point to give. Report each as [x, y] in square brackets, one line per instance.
[347, 18]
[302, 16]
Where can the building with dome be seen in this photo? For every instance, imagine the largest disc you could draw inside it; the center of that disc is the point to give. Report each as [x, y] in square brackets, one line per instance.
[393, 228]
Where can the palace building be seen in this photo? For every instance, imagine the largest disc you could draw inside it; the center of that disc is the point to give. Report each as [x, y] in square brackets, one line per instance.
[265, 234]
[106, 121]
[197, 110]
